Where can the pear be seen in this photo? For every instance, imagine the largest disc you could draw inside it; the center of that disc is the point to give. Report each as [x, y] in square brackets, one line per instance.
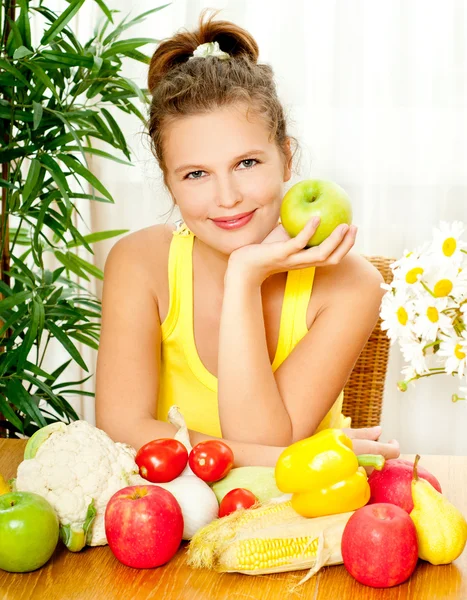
[441, 527]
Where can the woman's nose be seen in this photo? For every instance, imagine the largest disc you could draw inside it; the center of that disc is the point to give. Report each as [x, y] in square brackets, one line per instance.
[227, 194]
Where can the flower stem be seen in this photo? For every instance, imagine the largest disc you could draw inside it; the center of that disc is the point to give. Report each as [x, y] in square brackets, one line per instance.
[427, 288]
[402, 385]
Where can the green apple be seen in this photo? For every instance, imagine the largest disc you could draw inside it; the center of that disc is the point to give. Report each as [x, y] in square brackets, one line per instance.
[315, 198]
[28, 531]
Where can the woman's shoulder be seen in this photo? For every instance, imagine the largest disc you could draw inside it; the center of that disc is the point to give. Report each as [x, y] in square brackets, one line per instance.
[354, 274]
[143, 252]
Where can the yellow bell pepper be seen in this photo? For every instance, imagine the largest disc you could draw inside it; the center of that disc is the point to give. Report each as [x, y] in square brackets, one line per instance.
[324, 475]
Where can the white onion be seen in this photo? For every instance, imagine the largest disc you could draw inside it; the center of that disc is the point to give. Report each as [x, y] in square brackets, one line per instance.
[197, 500]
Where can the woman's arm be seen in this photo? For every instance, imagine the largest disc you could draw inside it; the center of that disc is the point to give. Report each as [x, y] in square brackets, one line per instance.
[250, 404]
[127, 376]
[289, 405]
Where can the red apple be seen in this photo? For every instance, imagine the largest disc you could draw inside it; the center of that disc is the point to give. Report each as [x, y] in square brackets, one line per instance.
[393, 483]
[143, 525]
[379, 545]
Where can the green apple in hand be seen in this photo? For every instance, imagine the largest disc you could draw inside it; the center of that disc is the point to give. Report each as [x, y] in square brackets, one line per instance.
[315, 198]
[28, 531]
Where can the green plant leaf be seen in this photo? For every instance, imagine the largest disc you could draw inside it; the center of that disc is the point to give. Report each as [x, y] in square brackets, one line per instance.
[8, 155]
[104, 9]
[99, 236]
[14, 317]
[14, 39]
[116, 131]
[29, 366]
[139, 56]
[79, 393]
[43, 77]
[31, 178]
[69, 59]
[41, 385]
[66, 343]
[57, 174]
[9, 68]
[74, 165]
[98, 152]
[62, 21]
[19, 397]
[60, 386]
[31, 334]
[67, 260]
[10, 414]
[89, 267]
[14, 300]
[84, 339]
[5, 289]
[92, 197]
[127, 45]
[38, 111]
[137, 90]
[21, 52]
[24, 268]
[123, 25]
[23, 22]
[7, 359]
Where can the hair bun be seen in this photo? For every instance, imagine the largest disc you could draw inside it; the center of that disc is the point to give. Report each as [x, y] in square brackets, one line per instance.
[173, 51]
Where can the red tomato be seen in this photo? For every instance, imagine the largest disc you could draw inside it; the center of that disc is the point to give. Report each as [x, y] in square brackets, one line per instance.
[235, 499]
[161, 460]
[211, 460]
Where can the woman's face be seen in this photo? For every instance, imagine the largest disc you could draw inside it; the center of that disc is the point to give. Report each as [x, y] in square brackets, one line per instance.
[219, 165]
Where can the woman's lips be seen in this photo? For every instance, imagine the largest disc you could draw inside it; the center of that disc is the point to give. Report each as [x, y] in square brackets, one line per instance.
[235, 223]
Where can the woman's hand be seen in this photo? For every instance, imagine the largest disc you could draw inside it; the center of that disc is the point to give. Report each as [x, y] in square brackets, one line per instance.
[365, 441]
[279, 252]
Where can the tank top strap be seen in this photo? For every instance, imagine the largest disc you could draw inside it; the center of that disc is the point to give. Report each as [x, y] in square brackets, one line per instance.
[293, 325]
[180, 273]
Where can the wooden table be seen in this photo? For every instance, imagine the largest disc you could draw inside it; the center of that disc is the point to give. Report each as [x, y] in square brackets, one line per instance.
[96, 573]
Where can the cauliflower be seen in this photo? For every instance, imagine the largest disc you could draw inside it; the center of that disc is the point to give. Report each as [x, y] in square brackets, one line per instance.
[77, 468]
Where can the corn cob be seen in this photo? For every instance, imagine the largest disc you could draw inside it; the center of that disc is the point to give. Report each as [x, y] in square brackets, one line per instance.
[270, 538]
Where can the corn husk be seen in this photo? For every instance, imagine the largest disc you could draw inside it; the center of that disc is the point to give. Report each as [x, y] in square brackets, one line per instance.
[296, 542]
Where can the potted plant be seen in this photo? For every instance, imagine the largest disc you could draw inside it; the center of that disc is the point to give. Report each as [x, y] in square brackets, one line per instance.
[57, 98]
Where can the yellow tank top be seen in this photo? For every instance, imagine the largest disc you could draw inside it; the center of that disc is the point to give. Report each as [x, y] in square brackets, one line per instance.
[184, 380]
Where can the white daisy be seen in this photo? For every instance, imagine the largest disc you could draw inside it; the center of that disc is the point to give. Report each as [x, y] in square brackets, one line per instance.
[414, 355]
[397, 313]
[454, 348]
[409, 270]
[445, 280]
[447, 245]
[409, 372]
[429, 318]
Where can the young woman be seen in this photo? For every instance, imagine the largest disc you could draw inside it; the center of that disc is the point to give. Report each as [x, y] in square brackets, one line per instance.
[249, 332]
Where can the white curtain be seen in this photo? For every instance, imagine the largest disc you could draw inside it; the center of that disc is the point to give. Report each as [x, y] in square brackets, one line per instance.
[376, 95]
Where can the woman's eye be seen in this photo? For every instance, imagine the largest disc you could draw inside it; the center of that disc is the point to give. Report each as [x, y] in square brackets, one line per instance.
[249, 160]
[246, 160]
[193, 173]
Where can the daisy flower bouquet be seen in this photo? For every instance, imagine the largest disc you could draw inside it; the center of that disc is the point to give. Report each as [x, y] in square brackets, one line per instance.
[425, 308]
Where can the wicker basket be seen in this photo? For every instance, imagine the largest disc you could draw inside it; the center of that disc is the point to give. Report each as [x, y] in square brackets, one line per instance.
[364, 390]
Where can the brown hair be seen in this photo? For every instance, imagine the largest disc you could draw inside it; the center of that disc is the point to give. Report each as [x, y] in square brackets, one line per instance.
[181, 87]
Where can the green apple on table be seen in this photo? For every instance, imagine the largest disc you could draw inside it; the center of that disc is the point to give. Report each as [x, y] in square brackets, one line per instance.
[315, 198]
[29, 530]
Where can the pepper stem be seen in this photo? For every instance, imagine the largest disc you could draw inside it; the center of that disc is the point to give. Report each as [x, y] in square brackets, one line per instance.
[415, 472]
[371, 460]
